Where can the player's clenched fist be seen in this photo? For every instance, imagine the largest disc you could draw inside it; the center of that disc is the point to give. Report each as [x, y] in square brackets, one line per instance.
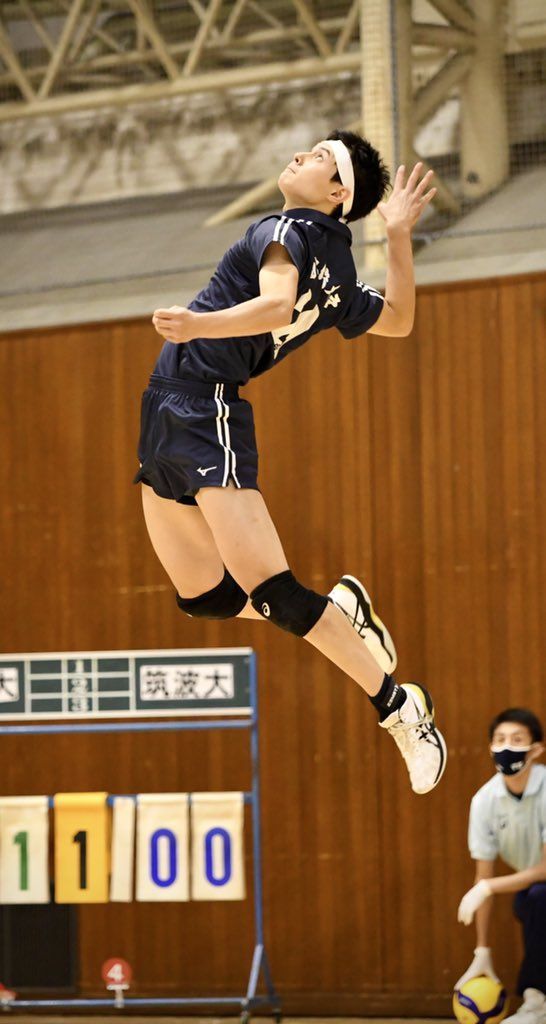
[175, 324]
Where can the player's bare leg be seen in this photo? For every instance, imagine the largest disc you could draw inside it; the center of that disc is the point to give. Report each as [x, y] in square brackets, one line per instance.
[184, 545]
[250, 548]
[233, 529]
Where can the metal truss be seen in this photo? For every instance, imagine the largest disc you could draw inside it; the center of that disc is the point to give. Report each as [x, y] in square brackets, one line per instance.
[67, 55]
[58, 56]
[64, 56]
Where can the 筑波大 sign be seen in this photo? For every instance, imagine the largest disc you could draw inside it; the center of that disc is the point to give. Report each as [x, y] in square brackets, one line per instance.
[127, 684]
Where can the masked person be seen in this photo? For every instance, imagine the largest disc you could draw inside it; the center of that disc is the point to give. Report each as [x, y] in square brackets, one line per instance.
[508, 820]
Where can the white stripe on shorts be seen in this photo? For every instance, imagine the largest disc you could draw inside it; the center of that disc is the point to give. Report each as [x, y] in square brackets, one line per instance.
[224, 438]
[217, 393]
[230, 449]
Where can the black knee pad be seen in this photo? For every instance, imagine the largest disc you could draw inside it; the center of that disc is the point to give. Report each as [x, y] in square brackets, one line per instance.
[289, 605]
[222, 602]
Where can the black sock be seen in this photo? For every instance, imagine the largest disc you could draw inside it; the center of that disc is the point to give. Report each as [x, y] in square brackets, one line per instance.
[389, 699]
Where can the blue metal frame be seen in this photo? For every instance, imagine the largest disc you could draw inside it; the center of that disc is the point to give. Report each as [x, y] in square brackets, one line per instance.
[260, 963]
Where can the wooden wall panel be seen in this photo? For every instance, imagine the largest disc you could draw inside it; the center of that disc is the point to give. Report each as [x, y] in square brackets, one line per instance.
[418, 464]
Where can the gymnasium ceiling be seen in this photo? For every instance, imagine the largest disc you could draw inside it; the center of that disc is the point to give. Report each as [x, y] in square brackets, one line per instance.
[69, 55]
[72, 54]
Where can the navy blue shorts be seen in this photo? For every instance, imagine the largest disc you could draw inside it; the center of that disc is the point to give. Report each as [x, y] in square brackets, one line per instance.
[195, 434]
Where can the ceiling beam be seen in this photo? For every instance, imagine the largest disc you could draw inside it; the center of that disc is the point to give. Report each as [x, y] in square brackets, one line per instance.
[313, 28]
[351, 22]
[107, 38]
[86, 25]
[312, 67]
[11, 60]
[265, 15]
[37, 25]
[206, 25]
[145, 18]
[202, 13]
[447, 37]
[61, 48]
[124, 59]
[455, 13]
[233, 19]
[427, 100]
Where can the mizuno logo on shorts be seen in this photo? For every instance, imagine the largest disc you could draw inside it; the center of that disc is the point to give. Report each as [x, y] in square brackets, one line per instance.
[204, 472]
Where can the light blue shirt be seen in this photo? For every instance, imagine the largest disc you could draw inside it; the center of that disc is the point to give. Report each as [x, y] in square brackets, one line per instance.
[502, 826]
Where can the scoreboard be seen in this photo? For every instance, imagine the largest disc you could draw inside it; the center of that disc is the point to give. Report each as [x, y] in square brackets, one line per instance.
[126, 684]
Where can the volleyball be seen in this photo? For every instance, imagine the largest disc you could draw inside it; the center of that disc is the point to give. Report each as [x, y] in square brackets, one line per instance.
[480, 1001]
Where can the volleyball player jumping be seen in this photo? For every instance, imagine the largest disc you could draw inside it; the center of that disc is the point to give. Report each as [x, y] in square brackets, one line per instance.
[291, 276]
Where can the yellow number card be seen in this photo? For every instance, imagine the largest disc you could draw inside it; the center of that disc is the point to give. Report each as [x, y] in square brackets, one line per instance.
[81, 848]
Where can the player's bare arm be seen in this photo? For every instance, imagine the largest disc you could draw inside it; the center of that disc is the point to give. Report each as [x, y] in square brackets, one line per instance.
[401, 211]
[484, 869]
[487, 887]
[520, 879]
[273, 307]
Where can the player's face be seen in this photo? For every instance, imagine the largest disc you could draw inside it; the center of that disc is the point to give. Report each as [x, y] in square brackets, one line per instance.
[307, 179]
[511, 734]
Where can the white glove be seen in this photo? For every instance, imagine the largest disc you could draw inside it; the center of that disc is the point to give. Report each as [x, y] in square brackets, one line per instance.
[481, 964]
[472, 900]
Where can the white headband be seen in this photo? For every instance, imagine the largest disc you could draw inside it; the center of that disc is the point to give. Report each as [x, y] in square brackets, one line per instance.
[344, 165]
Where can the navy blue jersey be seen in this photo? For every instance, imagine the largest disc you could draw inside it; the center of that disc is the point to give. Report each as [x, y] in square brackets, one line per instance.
[329, 295]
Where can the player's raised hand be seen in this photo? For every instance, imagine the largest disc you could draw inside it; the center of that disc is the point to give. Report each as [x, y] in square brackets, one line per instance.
[175, 324]
[408, 199]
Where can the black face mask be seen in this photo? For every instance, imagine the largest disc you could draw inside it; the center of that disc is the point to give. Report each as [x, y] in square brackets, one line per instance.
[510, 760]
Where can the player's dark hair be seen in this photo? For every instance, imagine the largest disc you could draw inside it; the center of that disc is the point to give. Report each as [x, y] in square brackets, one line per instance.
[521, 716]
[372, 178]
